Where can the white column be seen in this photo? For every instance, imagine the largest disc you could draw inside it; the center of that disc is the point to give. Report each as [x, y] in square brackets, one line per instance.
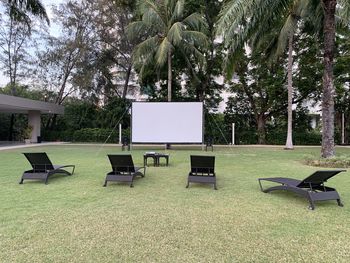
[233, 134]
[120, 133]
[342, 129]
[34, 120]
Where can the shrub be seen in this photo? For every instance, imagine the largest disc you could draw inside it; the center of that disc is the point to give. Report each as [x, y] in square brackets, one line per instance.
[82, 135]
[299, 138]
[334, 162]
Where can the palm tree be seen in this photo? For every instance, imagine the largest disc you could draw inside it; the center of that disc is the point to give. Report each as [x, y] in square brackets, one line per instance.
[164, 28]
[19, 10]
[233, 26]
[285, 27]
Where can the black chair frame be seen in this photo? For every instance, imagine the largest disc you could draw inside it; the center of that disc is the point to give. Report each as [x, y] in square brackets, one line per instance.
[202, 170]
[43, 168]
[312, 188]
[123, 170]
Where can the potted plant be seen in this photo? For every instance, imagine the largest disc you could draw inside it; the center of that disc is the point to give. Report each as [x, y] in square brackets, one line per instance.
[27, 133]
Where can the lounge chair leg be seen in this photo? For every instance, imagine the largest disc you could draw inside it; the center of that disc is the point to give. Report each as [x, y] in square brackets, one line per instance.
[261, 188]
[131, 185]
[312, 205]
[188, 184]
[105, 184]
[21, 182]
[46, 180]
[340, 203]
[215, 187]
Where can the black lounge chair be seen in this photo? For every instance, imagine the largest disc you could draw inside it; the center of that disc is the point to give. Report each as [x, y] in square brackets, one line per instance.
[43, 168]
[312, 187]
[202, 170]
[123, 169]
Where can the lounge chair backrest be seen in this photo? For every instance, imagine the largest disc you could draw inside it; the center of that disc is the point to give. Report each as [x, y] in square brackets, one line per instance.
[202, 164]
[319, 177]
[122, 163]
[39, 161]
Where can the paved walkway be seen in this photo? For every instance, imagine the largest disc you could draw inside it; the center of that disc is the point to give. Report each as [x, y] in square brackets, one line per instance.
[19, 146]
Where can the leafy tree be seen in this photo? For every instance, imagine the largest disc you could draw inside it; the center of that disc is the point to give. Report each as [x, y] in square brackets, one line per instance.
[14, 44]
[61, 61]
[16, 38]
[258, 88]
[342, 84]
[234, 17]
[20, 10]
[110, 61]
[164, 28]
[201, 81]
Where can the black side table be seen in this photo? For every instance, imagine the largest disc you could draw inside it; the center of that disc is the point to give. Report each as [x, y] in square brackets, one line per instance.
[150, 155]
[156, 158]
[162, 155]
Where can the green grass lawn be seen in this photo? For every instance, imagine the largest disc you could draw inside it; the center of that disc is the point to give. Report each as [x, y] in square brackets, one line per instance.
[75, 219]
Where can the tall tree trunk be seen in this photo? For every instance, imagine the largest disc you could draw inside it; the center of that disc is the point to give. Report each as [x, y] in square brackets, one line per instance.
[328, 85]
[169, 76]
[261, 121]
[126, 83]
[289, 142]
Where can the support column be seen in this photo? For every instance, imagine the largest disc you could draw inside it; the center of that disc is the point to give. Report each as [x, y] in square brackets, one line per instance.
[34, 120]
[233, 134]
[342, 129]
[120, 133]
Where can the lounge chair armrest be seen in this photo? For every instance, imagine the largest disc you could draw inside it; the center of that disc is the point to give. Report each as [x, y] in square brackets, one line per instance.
[138, 168]
[57, 167]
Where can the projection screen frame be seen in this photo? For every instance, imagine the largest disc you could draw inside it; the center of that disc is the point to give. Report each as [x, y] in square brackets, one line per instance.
[188, 143]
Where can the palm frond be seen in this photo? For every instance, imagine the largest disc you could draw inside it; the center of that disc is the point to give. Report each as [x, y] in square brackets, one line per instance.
[239, 18]
[195, 38]
[175, 33]
[196, 22]
[145, 49]
[343, 12]
[152, 19]
[178, 11]
[287, 30]
[158, 7]
[162, 52]
[20, 8]
[190, 50]
[136, 29]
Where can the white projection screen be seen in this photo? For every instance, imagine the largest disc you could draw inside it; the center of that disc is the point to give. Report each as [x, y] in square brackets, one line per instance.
[167, 122]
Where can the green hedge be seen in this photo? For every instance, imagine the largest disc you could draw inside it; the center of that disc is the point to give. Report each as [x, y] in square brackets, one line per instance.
[279, 138]
[84, 135]
[248, 137]
[299, 138]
